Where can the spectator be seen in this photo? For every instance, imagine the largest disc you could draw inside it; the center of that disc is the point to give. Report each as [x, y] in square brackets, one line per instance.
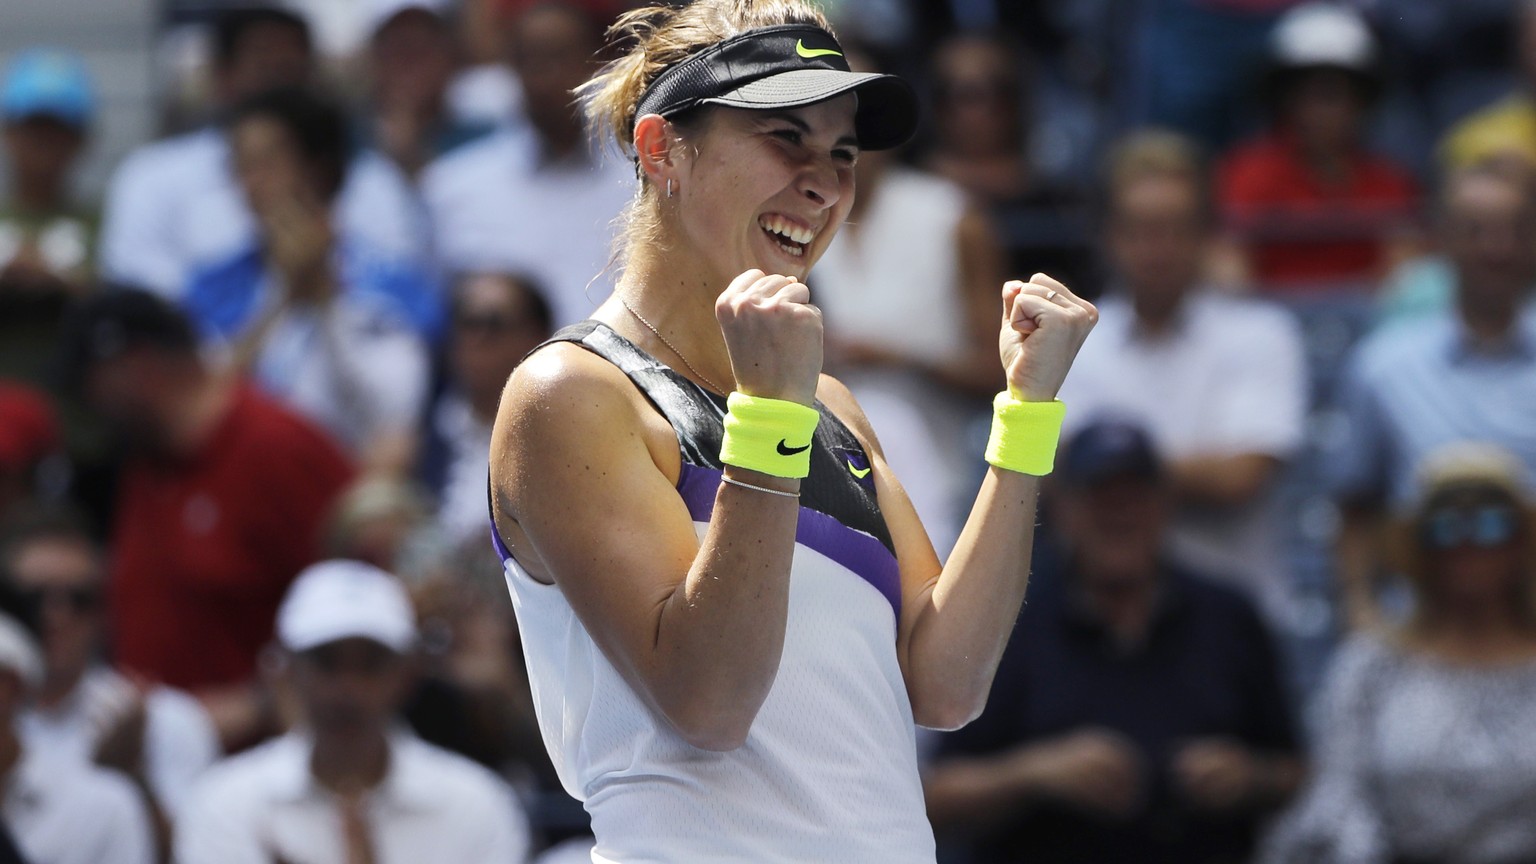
[316, 315]
[58, 810]
[539, 199]
[485, 90]
[221, 502]
[173, 205]
[46, 238]
[472, 695]
[348, 785]
[1425, 747]
[1466, 373]
[1309, 205]
[82, 709]
[1426, 286]
[982, 128]
[1139, 712]
[408, 123]
[29, 437]
[914, 248]
[497, 319]
[1505, 130]
[1219, 381]
[411, 61]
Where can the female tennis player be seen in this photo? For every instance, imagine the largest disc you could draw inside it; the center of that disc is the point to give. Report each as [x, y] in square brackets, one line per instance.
[731, 615]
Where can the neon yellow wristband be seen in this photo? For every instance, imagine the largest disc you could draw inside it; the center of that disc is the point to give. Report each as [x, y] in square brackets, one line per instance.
[768, 435]
[1024, 434]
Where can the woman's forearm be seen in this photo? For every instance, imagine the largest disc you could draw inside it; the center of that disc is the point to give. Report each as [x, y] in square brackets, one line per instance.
[959, 632]
[720, 634]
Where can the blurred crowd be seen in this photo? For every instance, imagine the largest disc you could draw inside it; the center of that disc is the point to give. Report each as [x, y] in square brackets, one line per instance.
[1283, 603]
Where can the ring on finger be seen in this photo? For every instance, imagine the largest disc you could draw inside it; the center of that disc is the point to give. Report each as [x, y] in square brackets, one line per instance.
[1050, 294]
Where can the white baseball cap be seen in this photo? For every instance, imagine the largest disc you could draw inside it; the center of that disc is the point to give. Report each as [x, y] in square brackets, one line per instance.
[1323, 34]
[337, 599]
[18, 652]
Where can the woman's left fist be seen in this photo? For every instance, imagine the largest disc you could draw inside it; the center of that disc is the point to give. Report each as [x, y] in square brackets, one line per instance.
[1044, 324]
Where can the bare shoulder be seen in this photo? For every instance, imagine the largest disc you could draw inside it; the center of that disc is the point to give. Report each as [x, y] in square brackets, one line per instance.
[563, 400]
[561, 378]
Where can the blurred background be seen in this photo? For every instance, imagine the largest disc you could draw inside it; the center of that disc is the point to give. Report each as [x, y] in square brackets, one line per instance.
[264, 269]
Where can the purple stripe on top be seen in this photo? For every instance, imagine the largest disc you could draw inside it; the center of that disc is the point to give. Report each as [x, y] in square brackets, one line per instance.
[501, 547]
[860, 553]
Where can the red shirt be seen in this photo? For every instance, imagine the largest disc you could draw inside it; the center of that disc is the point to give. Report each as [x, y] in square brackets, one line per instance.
[1302, 231]
[205, 548]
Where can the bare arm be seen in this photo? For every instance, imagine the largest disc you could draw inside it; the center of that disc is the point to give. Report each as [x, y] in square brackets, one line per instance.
[587, 473]
[956, 617]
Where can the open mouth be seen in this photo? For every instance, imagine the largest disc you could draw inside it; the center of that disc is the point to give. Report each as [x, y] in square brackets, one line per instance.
[792, 238]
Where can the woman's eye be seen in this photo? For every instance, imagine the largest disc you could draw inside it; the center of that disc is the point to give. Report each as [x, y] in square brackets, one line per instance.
[847, 157]
[790, 135]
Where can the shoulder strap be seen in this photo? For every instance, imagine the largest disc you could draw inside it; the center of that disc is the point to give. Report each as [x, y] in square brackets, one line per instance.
[695, 413]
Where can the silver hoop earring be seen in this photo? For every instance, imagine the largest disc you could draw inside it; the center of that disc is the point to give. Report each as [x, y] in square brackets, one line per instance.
[669, 187]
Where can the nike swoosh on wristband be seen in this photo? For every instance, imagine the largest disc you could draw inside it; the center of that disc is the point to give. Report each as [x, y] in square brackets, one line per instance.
[786, 450]
[856, 472]
[809, 53]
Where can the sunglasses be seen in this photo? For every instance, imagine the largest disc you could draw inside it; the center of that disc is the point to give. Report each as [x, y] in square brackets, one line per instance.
[79, 600]
[1486, 527]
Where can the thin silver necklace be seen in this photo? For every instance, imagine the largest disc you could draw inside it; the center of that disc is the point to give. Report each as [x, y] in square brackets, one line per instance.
[652, 327]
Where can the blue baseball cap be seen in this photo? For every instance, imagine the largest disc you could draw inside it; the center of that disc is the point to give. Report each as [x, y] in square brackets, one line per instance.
[1109, 449]
[47, 82]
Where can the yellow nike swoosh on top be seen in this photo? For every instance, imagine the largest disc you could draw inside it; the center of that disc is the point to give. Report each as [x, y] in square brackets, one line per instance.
[857, 473]
[808, 53]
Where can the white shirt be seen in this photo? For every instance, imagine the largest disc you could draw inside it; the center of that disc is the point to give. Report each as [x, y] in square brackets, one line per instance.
[1228, 379]
[499, 204]
[67, 811]
[898, 266]
[264, 805]
[174, 206]
[179, 739]
[358, 370]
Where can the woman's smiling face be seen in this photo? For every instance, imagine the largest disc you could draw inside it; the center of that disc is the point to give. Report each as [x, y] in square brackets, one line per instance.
[768, 189]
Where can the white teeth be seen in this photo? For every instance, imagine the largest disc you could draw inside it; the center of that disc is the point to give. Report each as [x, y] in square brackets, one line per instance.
[784, 228]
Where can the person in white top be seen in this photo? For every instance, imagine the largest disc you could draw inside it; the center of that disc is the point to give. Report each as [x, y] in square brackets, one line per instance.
[174, 206]
[1219, 381]
[58, 808]
[908, 290]
[732, 616]
[538, 198]
[350, 784]
[159, 737]
[318, 318]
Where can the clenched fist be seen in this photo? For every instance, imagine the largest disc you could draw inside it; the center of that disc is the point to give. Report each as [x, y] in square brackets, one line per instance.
[1044, 324]
[774, 336]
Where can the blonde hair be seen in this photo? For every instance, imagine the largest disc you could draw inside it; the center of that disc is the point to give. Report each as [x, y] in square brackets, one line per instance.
[1157, 154]
[658, 37]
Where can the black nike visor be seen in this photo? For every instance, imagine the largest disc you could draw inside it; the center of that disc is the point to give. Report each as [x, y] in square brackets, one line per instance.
[785, 66]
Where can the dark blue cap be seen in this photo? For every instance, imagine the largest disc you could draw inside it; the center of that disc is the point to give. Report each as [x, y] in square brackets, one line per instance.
[1109, 449]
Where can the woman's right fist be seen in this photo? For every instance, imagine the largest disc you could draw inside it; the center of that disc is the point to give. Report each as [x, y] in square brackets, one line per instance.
[774, 336]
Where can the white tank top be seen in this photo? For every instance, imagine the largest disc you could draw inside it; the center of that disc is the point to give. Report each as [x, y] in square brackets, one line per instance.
[828, 772]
